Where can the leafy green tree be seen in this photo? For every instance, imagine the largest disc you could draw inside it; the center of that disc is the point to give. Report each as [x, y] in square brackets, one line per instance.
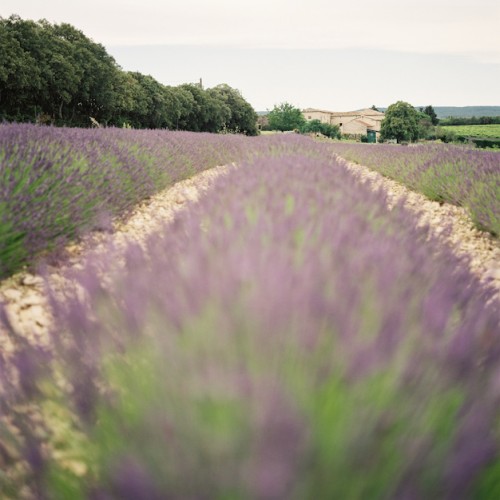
[426, 129]
[173, 105]
[70, 76]
[431, 113]
[242, 117]
[21, 73]
[97, 93]
[53, 73]
[285, 116]
[217, 109]
[19, 76]
[196, 117]
[127, 90]
[312, 126]
[134, 106]
[401, 122]
[152, 110]
[184, 102]
[62, 70]
[217, 112]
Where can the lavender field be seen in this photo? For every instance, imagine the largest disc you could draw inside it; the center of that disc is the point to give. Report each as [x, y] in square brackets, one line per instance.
[56, 183]
[446, 173]
[287, 336]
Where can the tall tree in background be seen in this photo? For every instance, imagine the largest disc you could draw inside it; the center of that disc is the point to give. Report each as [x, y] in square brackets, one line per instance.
[285, 116]
[196, 117]
[429, 111]
[401, 122]
[151, 110]
[19, 76]
[242, 117]
[55, 74]
[70, 77]
[426, 129]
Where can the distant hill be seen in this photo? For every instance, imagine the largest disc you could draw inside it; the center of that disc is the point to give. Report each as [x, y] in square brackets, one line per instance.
[462, 111]
[466, 111]
[449, 111]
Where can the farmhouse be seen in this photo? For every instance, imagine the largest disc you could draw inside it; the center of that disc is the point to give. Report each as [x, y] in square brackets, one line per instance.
[355, 123]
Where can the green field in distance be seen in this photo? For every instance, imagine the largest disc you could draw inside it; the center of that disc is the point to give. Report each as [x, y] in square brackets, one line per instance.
[487, 131]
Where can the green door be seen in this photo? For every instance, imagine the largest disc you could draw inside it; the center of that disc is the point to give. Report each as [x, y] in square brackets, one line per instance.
[372, 136]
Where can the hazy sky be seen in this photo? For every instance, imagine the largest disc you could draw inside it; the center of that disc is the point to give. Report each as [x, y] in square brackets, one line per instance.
[312, 53]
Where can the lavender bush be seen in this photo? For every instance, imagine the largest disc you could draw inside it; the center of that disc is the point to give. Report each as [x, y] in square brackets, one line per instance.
[58, 183]
[464, 177]
[285, 337]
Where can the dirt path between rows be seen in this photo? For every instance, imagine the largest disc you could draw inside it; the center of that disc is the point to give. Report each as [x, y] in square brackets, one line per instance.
[26, 304]
[23, 294]
[449, 223]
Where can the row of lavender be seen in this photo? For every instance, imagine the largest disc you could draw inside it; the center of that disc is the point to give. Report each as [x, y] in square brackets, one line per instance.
[285, 337]
[454, 174]
[58, 183]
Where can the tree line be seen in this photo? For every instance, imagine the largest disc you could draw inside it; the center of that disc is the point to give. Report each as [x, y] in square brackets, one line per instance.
[473, 120]
[402, 122]
[405, 123]
[286, 117]
[53, 73]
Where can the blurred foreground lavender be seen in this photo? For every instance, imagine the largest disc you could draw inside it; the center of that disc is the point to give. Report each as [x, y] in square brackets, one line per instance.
[454, 174]
[285, 337]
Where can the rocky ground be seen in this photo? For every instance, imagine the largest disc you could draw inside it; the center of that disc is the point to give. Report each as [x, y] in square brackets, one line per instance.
[449, 223]
[26, 304]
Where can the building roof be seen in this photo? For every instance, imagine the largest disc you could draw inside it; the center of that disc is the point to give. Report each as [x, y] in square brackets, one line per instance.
[312, 110]
[370, 112]
[359, 112]
[363, 122]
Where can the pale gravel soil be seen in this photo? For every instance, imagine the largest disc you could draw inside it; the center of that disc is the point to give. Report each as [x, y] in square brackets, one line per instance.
[26, 304]
[449, 223]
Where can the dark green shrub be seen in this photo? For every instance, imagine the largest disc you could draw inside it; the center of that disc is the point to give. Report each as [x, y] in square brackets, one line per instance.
[315, 126]
[483, 142]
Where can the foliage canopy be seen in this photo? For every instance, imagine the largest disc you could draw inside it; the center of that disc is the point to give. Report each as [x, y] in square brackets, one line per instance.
[316, 126]
[401, 122]
[52, 73]
[431, 113]
[285, 117]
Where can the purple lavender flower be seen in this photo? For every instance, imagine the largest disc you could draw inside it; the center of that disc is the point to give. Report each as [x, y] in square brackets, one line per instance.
[286, 336]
